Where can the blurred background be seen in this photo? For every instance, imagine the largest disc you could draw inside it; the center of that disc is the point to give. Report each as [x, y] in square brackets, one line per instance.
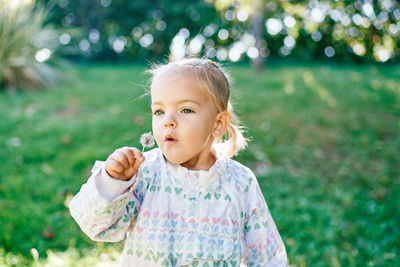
[315, 83]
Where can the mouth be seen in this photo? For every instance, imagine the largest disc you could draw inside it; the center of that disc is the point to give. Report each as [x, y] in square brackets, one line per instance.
[169, 139]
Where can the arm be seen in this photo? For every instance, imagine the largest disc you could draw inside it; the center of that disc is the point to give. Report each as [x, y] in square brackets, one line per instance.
[104, 214]
[112, 197]
[264, 245]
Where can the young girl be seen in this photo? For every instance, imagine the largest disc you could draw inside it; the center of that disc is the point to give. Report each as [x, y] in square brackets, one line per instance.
[185, 203]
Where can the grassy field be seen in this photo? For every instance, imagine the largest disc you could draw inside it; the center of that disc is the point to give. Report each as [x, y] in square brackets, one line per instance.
[325, 147]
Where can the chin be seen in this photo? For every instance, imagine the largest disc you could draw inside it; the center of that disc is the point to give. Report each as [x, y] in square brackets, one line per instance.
[176, 160]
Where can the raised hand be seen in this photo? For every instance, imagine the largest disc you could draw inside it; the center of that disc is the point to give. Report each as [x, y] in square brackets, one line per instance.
[124, 162]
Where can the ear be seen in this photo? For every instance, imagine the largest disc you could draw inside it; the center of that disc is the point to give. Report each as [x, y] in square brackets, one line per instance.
[222, 121]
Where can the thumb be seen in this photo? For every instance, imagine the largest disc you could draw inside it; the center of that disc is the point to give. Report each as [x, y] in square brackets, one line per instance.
[139, 158]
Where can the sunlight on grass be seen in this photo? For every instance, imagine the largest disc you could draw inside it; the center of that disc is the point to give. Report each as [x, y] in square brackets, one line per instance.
[319, 89]
[72, 257]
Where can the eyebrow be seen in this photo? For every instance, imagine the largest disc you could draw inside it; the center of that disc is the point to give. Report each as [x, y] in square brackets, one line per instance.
[178, 102]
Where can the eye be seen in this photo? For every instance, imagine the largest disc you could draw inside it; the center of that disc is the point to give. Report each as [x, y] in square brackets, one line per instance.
[187, 110]
[158, 112]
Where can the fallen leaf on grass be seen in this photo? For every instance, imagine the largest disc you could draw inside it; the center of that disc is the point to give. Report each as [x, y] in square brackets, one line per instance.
[48, 233]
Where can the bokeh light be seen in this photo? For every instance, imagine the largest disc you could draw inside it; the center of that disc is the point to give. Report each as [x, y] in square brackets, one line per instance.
[274, 26]
[223, 34]
[120, 42]
[84, 45]
[94, 36]
[65, 38]
[146, 40]
[43, 55]
[329, 51]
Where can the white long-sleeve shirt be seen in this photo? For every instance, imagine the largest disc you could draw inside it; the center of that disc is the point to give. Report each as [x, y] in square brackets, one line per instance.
[172, 216]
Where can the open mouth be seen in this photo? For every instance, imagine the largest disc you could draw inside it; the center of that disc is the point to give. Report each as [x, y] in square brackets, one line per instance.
[170, 139]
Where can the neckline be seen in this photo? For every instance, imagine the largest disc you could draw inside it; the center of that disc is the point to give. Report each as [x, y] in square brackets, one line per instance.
[203, 177]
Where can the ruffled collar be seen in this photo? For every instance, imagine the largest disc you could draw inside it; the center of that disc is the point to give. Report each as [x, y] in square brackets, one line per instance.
[203, 177]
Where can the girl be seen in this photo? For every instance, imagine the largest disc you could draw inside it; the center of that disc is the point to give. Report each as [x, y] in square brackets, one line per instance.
[185, 203]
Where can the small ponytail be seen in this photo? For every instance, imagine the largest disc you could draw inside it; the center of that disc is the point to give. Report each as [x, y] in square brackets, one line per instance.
[236, 140]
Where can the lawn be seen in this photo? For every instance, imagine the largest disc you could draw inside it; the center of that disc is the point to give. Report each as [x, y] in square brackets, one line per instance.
[325, 148]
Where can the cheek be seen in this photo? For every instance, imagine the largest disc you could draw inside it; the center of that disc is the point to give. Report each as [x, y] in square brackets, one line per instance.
[200, 129]
[156, 131]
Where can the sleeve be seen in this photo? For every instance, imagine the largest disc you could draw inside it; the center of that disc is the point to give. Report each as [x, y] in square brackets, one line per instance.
[110, 188]
[264, 245]
[105, 210]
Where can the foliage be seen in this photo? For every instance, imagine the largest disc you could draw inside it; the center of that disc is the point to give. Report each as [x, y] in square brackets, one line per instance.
[351, 31]
[346, 30]
[122, 29]
[325, 151]
[25, 46]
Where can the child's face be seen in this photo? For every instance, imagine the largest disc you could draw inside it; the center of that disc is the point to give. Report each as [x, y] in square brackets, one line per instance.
[183, 120]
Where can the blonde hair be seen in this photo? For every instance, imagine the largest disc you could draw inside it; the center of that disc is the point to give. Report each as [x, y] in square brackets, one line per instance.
[209, 76]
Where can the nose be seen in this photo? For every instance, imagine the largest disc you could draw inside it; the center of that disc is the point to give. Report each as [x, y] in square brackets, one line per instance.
[169, 122]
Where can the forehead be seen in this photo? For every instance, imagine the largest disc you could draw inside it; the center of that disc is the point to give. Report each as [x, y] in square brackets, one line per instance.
[173, 88]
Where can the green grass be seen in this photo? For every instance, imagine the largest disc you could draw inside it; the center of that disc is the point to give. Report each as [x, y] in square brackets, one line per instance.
[325, 148]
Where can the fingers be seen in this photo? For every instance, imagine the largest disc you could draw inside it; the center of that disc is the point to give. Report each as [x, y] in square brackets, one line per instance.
[123, 156]
[124, 161]
[116, 175]
[139, 158]
[130, 155]
[115, 166]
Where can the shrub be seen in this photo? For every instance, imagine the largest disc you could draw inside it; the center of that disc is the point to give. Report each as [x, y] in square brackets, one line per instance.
[26, 45]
